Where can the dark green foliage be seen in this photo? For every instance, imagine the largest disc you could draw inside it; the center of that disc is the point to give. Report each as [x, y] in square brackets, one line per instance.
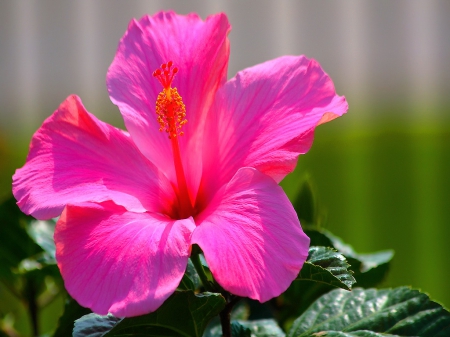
[16, 244]
[42, 233]
[306, 204]
[325, 265]
[238, 330]
[324, 270]
[27, 259]
[264, 328]
[72, 312]
[362, 333]
[256, 328]
[93, 325]
[191, 280]
[186, 283]
[369, 269]
[182, 314]
[400, 311]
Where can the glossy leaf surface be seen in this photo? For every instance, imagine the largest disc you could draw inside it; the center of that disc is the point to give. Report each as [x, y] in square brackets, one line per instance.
[400, 311]
[325, 265]
[93, 325]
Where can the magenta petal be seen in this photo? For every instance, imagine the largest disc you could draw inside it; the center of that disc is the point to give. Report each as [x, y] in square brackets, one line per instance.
[74, 158]
[265, 117]
[120, 262]
[251, 237]
[200, 50]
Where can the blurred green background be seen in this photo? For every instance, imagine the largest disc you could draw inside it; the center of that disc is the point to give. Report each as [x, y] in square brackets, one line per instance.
[381, 172]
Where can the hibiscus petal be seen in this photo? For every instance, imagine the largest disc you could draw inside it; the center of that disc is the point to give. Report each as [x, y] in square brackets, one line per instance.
[200, 50]
[121, 262]
[75, 158]
[251, 237]
[265, 117]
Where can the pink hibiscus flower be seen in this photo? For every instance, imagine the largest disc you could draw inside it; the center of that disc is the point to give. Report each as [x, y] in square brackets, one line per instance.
[132, 204]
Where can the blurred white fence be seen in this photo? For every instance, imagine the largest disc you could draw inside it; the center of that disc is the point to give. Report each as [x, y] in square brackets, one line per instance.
[376, 51]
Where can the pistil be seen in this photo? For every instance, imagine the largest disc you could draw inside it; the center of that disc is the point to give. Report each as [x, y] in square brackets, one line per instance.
[184, 199]
[171, 113]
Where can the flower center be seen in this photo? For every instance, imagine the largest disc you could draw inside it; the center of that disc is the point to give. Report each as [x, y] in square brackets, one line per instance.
[171, 113]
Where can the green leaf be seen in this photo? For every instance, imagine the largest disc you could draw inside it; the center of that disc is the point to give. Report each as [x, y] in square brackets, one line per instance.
[37, 262]
[93, 325]
[239, 330]
[193, 276]
[369, 269]
[305, 204]
[256, 328]
[318, 236]
[16, 245]
[264, 328]
[325, 269]
[362, 333]
[190, 280]
[72, 312]
[213, 330]
[325, 265]
[400, 311]
[42, 233]
[241, 311]
[182, 314]
[186, 283]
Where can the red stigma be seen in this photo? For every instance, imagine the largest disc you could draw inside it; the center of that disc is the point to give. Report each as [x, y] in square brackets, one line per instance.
[165, 74]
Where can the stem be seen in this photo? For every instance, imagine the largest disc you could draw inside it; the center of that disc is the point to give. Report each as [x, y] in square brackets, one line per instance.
[195, 258]
[31, 294]
[225, 314]
[225, 321]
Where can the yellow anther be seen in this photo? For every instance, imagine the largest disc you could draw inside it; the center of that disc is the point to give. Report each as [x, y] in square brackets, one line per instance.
[171, 112]
[170, 109]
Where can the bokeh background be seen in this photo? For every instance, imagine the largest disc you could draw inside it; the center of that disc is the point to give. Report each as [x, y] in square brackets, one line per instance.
[381, 172]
